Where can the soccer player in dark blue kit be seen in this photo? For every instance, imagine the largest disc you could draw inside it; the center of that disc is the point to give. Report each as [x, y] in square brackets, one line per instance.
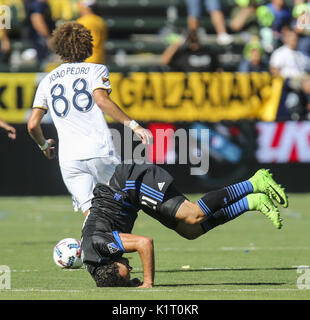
[106, 232]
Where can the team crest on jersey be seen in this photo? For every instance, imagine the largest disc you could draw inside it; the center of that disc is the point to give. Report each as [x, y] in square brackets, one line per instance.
[117, 196]
[104, 80]
[113, 248]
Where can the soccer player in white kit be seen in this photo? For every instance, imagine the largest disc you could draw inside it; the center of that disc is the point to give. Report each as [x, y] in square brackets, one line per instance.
[77, 95]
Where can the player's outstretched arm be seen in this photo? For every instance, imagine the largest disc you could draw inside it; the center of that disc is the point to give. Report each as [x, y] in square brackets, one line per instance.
[35, 131]
[9, 129]
[145, 248]
[109, 107]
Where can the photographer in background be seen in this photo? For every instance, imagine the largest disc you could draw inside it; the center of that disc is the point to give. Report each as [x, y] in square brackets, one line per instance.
[189, 56]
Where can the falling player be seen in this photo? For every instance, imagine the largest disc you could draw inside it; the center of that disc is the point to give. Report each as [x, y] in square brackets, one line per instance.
[106, 233]
[77, 96]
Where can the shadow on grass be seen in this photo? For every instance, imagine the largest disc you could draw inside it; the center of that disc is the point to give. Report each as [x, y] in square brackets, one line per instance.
[224, 284]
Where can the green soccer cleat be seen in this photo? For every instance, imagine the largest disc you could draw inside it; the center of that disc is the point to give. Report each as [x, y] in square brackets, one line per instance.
[261, 202]
[263, 182]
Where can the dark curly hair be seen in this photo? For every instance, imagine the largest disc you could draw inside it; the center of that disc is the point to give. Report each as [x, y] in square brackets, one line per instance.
[72, 42]
[108, 276]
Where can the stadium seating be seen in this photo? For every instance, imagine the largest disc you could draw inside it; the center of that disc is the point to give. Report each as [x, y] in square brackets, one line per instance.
[136, 27]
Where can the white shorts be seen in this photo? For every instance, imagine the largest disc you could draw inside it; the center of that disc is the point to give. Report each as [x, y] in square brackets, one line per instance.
[81, 176]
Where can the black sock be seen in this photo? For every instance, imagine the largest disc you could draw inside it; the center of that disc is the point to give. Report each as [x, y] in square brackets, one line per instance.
[216, 200]
[225, 214]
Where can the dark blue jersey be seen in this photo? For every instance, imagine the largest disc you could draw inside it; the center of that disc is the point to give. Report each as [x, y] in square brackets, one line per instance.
[114, 209]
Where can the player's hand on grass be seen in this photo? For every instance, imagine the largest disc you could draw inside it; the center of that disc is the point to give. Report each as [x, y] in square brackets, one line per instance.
[144, 134]
[50, 152]
[146, 285]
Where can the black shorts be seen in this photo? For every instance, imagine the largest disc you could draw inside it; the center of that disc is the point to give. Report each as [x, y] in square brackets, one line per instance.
[151, 189]
[166, 211]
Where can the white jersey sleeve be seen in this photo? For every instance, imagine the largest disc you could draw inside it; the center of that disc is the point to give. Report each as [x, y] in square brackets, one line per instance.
[101, 78]
[40, 99]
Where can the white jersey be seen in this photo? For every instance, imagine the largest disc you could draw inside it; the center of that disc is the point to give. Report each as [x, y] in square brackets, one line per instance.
[292, 63]
[67, 92]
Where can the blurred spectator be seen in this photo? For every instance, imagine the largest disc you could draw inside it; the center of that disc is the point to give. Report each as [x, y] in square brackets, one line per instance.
[243, 14]
[90, 20]
[253, 60]
[64, 10]
[5, 46]
[282, 15]
[273, 18]
[194, 9]
[39, 25]
[301, 12]
[189, 56]
[11, 131]
[17, 16]
[287, 61]
[292, 64]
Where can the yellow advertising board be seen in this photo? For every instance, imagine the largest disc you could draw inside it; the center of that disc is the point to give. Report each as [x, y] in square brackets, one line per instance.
[165, 97]
[197, 96]
[16, 95]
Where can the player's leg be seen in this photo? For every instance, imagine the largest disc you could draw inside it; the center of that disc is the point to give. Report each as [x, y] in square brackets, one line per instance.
[261, 182]
[215, 200]
[193, 222]
[102, 168]
[193, 14]
[79, 182]
[190, 231]
[252, 202]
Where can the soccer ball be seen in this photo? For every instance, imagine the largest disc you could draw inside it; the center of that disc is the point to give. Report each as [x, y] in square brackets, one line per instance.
[67, 254]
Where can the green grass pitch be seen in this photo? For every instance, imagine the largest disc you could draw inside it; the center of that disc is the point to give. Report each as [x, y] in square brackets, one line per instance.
[247, 258]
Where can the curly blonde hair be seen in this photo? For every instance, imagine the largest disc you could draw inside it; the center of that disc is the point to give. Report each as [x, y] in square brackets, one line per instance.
[72, 42]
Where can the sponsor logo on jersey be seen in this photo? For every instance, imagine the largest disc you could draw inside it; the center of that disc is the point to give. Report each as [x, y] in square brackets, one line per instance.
[161, 185]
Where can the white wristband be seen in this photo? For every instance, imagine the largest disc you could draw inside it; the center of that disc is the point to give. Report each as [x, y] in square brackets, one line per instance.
[133, 124]
[44, 146]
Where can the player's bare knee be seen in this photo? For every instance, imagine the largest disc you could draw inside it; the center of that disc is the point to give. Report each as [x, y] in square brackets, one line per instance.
[191, 220]
[194, 217]
[190, 213]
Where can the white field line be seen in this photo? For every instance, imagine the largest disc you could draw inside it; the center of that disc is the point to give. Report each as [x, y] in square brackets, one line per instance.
[151, 290]
[161, 270]
[24, 271]
[250, 247]
[216, 290]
